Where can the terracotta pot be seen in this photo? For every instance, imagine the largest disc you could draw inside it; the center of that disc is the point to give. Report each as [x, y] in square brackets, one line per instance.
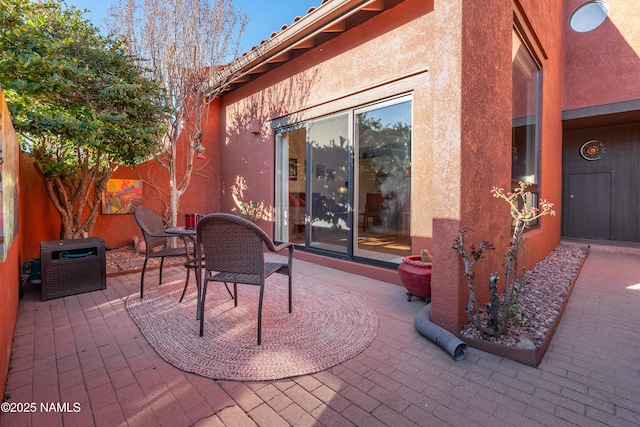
[416, 277]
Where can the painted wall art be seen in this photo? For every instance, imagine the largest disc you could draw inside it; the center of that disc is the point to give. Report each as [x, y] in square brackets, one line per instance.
[121, 196]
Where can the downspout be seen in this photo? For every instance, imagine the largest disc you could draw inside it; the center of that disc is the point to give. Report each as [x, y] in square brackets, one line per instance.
[445, 339]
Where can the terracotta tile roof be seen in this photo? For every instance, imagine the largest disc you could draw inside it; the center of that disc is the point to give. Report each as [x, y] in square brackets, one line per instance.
[320, 24]
[285, 26]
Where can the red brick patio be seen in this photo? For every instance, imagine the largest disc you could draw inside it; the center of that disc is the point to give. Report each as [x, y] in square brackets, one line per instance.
[86, 349]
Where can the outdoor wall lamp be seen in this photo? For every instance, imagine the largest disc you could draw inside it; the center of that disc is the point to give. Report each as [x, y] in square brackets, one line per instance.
[255, 126]
[589, 16]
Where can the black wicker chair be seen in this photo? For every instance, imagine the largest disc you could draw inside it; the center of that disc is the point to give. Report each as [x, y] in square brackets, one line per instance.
[232, 251]
[157, 243]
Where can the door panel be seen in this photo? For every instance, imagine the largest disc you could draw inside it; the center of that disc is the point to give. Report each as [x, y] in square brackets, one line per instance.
[328, 205]
[384, 182]
[589, 205]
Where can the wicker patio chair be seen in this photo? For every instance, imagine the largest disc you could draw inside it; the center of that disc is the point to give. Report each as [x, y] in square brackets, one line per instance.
[157, 244]
[232, 251]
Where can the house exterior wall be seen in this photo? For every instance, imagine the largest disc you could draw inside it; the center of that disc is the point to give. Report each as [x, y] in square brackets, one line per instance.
[458, 69]
[602, 66]
[601, 101]
[485, 145]
[344, 72]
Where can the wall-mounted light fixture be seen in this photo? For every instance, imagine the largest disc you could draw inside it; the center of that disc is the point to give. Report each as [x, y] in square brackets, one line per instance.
[255, 126]
[589, 16]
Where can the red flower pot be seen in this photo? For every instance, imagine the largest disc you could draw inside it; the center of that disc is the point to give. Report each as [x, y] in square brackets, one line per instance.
[416, 277]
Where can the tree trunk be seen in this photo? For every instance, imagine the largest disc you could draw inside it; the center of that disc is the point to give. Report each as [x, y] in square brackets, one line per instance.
[173, 186]
[78, 209]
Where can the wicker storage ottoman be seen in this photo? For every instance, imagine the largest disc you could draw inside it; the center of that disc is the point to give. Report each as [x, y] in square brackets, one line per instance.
[71, 267]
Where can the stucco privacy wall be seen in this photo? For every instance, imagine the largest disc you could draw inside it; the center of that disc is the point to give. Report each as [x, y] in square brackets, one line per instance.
[201, 196]
[9, 269]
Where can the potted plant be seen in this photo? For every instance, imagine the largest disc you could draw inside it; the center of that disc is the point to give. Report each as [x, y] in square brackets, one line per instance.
[415, 274]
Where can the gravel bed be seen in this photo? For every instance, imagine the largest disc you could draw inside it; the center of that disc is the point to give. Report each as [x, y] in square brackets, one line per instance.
[541, 298]
[126, 259]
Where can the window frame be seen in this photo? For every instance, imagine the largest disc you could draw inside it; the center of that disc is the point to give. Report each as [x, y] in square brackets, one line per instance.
[538, 55]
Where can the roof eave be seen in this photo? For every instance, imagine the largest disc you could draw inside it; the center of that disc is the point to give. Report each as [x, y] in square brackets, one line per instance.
[299, 35]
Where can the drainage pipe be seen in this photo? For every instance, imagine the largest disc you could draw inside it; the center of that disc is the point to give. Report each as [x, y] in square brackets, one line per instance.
[445, 339]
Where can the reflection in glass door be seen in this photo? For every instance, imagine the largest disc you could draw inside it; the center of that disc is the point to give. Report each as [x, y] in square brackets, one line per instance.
[384, 181]
[329, 207]
[312, 199]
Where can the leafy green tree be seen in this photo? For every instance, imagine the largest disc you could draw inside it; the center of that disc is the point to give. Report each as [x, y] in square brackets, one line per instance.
[80, 103]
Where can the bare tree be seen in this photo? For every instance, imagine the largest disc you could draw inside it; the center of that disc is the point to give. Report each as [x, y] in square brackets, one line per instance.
[185, 42]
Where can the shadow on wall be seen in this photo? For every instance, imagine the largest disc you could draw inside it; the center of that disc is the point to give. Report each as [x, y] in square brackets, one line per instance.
[249, 209]
[248, 150]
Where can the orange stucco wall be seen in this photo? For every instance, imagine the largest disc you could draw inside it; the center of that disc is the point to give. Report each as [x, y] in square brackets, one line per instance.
[10, 268]
[483, 54]
[485, 147]
[608, 55]
[42, 222]
[9, 281]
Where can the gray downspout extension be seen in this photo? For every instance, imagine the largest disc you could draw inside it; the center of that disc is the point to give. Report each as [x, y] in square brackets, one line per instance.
[445, 339]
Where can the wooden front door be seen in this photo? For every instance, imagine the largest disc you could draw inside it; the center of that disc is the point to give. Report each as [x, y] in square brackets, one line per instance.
[589, 205]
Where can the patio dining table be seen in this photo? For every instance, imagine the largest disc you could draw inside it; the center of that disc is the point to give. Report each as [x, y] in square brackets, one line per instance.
[190, 232]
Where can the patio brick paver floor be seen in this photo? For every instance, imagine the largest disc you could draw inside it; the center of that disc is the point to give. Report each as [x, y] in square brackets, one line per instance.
[86, 349]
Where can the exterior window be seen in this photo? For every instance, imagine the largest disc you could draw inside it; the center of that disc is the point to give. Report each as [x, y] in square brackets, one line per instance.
[525, 114]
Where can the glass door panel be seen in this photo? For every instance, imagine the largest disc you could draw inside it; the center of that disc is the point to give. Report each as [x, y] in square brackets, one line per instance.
[384, 182]
[328, 204]
[291, 182]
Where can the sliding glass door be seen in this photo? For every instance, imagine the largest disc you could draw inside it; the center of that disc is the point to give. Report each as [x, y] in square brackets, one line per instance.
[327, 182]
[384, 181]
[329, 199]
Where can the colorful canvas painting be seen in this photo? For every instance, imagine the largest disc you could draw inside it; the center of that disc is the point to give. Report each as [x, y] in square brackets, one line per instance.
[121, 196]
